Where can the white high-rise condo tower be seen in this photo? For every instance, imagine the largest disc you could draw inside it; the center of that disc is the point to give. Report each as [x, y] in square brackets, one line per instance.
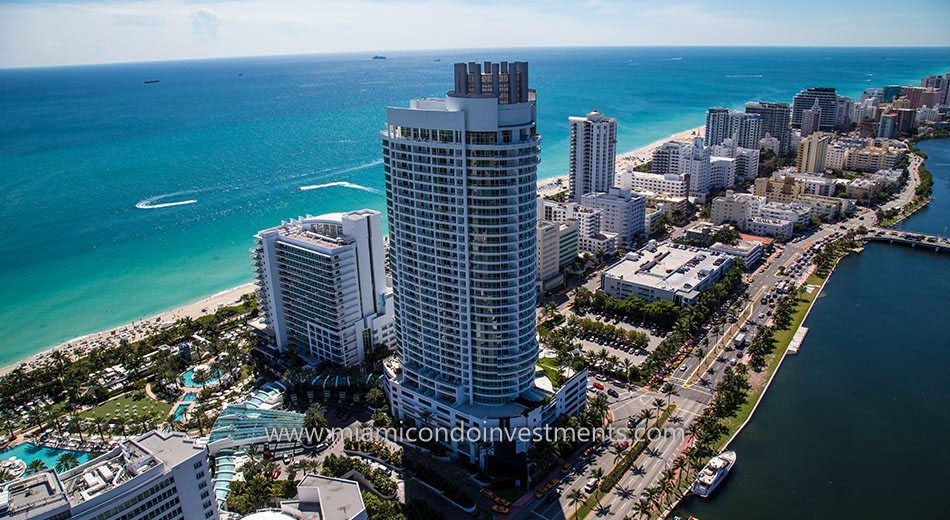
[461, 174]
[593, 154]
[322, 285]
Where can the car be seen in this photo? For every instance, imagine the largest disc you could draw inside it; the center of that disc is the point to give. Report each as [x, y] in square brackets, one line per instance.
[500, 509]
[566, 468]
[502, 501]
[682, 368]
[612, 393]
[598, 385]
[761, 315]
[487, 493]
[600, 377]
[591, 485]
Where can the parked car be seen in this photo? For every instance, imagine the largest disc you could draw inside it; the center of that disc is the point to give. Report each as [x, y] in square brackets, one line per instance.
[612, 393]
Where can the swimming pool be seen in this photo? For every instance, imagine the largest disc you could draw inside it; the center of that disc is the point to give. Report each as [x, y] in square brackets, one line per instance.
[189, 397]
[180, 411]
[28, 452]
[187, 377]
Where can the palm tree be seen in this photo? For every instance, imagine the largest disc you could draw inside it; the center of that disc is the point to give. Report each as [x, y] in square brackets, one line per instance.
[626, 364]
[679, 465]
[575, 498]
[5, 475]
[642, 508]
[669, 390]
[658, 403]
[598, 474]
[617, 449]
[645, 416]
[36, 466]
[66, 462]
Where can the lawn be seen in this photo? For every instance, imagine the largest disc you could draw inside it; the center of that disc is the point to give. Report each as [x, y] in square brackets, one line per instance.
[134, 404]
[549, 367]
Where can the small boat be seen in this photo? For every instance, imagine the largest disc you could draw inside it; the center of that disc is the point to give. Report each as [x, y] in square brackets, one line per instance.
[714, 473]
[378, 57]
[150, 81]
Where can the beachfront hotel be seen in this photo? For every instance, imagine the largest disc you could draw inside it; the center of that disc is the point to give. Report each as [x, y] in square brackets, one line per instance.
[322, 286]
[827, 103]
[776, 122]
[461, 175]
[593, 154]
[155, 475]
[744, 128]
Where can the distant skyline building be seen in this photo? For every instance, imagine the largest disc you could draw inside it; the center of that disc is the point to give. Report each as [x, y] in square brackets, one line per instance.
[593, 141]
[744, 128]
[844, 112]
[827, 101]
[718, 125]
[811, 120]
[776, 121]
[812, 152]
[322, 286]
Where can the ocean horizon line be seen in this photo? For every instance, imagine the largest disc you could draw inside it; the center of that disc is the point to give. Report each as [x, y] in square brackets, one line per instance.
[457, 50]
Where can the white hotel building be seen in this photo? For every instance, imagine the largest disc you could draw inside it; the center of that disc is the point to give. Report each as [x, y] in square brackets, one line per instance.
[322, 286]
[593, 154]
[153, 476]
[673, 184]
[461, 174]
[623, 213]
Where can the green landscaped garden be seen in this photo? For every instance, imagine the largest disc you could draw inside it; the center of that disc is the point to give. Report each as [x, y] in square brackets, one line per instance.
[550, 368]
[133, 406]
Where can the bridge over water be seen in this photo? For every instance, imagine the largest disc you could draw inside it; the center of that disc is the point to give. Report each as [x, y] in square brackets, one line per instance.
[908, 238]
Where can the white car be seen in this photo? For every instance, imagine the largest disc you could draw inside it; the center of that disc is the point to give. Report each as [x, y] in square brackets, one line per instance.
[591, 485]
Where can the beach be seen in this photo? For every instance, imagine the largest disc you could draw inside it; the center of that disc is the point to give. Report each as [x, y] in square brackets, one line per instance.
[625, 160]
[135, 330]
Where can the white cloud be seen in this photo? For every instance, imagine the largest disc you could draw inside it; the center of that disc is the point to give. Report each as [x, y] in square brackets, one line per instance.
[205, 23]
[103, 31]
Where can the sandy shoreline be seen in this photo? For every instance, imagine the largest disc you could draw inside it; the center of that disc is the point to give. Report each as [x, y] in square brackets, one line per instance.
[141, 328]
[136, 330]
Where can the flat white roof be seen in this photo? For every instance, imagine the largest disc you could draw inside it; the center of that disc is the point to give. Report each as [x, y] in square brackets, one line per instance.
[668, 267]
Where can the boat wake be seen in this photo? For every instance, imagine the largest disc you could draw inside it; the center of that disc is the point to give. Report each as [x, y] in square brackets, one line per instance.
[672, 59]
[744, 76]
[152, 202]
[342, 184]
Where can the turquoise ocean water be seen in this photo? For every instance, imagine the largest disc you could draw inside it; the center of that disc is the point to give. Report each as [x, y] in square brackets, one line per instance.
[84, 152]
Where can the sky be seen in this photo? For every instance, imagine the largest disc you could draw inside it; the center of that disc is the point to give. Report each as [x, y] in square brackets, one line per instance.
[50, 32]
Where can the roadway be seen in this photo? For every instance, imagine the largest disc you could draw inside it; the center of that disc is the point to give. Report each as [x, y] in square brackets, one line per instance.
[692, 399]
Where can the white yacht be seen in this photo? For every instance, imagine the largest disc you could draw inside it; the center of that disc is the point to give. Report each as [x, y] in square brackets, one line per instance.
[714, 473]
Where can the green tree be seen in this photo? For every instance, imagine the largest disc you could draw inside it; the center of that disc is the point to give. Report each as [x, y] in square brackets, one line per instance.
[36, 466]
[66, 462]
